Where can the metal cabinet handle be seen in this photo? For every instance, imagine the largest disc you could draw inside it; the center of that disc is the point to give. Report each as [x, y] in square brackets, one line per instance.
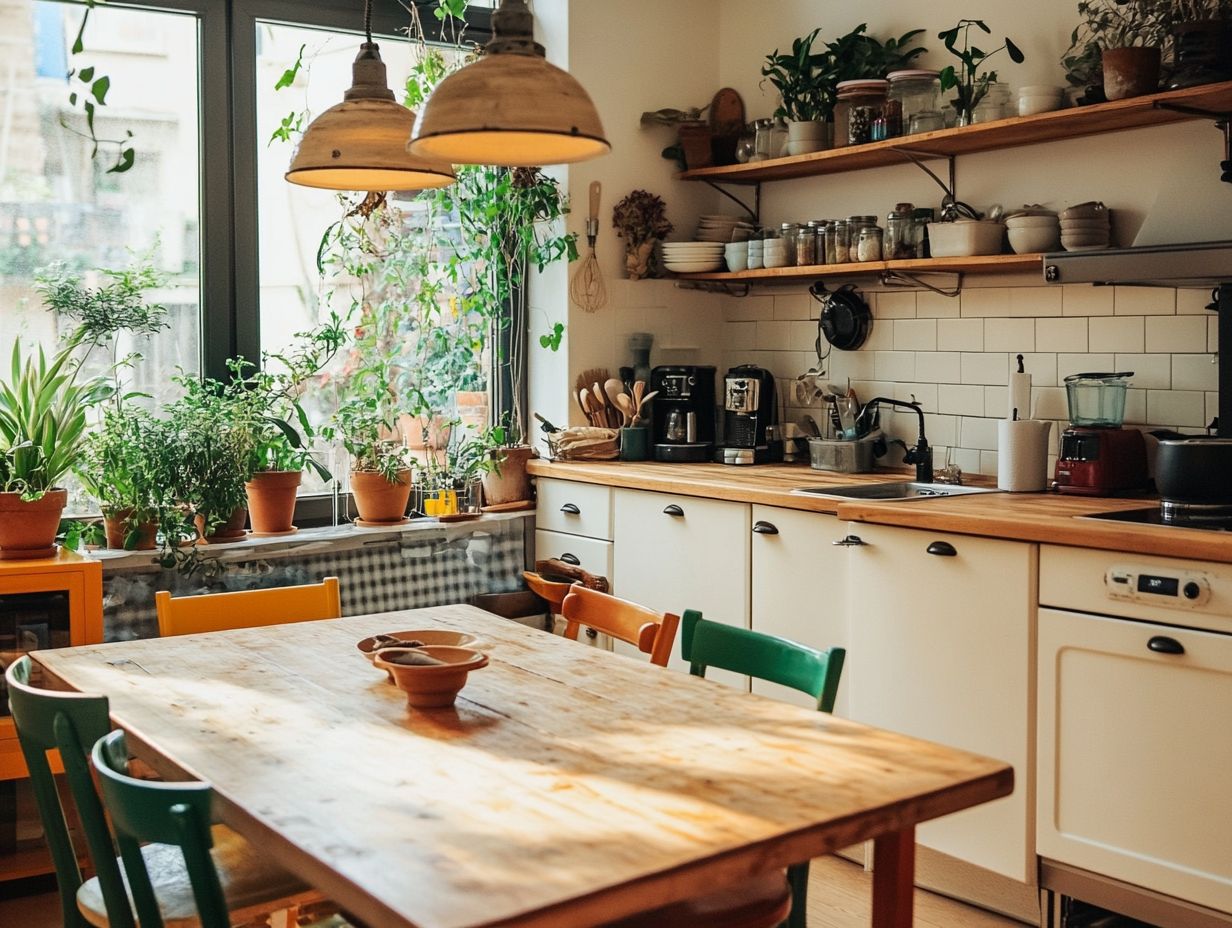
[571, 559]
[591, 634]
[570, 509]
[942, 549]
[851, 541]
[1162, 644]
[674, 511]
[765, 528]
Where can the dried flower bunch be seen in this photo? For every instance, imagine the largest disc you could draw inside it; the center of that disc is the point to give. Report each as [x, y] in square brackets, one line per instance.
[641, 217]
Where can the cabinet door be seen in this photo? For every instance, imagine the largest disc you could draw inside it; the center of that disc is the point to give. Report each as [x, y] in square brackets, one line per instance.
[591, 554]
[941, 629]
[679, 552]
[1134, 753]
[800, 589]
[574, 508]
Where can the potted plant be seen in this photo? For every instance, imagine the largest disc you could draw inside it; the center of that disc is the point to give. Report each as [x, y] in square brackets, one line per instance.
[124, 465]
[1128, 36]
[641, 220]
[381, 466]
[43, 409]
[970, 82]
[503, 467]
[805, 100]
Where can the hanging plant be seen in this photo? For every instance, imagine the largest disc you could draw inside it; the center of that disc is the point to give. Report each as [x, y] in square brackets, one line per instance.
[88, 91]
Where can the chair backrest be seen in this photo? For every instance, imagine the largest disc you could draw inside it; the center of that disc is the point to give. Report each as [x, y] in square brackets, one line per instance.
[215, 612]
[644, 628]
[144, 811]
[552, 591]
[767, 657]
[50, 720]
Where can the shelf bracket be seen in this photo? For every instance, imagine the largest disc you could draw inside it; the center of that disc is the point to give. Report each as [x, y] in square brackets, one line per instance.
[1223, 122]
[905, 279]
[754, 211]
[716, 286]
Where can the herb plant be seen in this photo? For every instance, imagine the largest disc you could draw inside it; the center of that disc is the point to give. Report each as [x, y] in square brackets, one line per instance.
[799, 77]
[970, 82]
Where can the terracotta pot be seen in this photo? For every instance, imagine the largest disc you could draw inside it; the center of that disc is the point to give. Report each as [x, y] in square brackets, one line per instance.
[511, 484]
[435, 685]
[28, 530]
[231, 530]
[271, 500]
[117, 524]
[377, 499]
[694, 139]
[1130, 72]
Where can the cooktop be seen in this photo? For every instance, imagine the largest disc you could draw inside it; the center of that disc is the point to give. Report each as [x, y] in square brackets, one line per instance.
[1155, 516]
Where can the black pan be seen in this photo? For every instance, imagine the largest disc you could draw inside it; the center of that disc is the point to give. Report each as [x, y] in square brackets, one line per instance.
[1194, 470]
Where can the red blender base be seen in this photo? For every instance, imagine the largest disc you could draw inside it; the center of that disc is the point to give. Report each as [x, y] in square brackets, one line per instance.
[1101, 462]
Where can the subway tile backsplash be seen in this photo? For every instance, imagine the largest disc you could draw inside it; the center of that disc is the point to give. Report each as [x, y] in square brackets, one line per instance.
[955, 355]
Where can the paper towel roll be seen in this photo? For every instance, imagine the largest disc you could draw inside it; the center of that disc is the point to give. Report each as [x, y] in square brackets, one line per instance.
[1020, 396]
[1022, 455]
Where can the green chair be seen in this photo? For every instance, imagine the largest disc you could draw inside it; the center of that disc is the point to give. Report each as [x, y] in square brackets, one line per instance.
[712, 644]
[71, 723]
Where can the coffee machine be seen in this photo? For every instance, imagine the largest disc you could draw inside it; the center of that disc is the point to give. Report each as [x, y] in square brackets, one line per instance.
[749, 415]
[682, 415]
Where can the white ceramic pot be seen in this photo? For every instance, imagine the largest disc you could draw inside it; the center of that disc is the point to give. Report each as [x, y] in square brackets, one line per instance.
[965, 237]
[805, 137]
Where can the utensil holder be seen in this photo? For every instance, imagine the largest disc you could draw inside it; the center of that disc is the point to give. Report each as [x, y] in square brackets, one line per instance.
[844, 457]
[634, 443]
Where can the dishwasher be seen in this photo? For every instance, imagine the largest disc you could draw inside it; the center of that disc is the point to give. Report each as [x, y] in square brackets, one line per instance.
[1134, 747]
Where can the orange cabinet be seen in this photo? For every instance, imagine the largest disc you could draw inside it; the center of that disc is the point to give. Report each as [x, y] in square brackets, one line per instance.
[47, 603]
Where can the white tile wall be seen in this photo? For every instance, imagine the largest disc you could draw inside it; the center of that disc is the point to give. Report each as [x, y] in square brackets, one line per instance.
[954, 355]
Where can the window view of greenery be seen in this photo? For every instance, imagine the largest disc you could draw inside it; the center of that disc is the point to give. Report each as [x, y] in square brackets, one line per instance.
[62, 213]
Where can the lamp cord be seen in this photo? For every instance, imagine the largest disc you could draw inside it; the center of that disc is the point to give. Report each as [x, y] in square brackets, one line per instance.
[368, 20]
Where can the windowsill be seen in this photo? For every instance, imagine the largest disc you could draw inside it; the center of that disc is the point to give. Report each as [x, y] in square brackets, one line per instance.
[308, 540]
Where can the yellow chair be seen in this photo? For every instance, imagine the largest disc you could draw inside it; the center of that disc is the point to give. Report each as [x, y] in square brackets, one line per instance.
[215, 612]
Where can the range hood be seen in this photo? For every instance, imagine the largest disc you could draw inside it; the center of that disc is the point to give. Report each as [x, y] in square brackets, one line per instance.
[1202, 264]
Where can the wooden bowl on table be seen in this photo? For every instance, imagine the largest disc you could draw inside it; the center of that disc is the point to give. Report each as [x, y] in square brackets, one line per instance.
[430, 685]
[427, 636]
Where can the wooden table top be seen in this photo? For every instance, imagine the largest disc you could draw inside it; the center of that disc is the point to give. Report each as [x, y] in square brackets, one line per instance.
[567, 787]
[1044, 518]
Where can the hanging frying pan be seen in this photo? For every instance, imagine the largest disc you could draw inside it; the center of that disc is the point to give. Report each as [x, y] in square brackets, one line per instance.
[845, 319]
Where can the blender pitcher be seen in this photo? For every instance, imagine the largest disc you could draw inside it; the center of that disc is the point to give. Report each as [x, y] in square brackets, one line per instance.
[1097, 400]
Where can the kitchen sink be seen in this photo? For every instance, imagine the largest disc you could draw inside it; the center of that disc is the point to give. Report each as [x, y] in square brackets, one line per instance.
[897, 490]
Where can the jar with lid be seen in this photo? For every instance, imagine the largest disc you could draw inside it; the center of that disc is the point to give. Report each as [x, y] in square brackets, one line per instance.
[854, 225]
[899, 239]
[788, 233]
[922, 217]
[868, 246]
[917, 94]
[994, 104]
[838, 242]
[860, 105]
[806, 245]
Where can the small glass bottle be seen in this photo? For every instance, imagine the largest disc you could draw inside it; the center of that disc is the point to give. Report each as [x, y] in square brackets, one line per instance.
[788, 232]
[869, 244]
[838, 242]
[854, 225]
[862, 103]
[806, 245]
[899, 243]
[994, 105]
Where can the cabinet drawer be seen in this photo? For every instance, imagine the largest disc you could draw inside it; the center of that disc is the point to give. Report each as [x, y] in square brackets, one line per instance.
[590, 553]
[574, 508]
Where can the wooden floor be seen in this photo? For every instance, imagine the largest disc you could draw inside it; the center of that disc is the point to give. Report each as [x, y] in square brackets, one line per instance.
[839, 894]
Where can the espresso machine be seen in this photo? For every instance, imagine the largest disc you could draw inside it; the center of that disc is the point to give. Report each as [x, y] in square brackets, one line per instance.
[749, 416]
[682, 415]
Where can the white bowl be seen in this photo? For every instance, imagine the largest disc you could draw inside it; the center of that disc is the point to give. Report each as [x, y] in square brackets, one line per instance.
[1034, 240]
[1032, 222]
[775, 260]
[737, 262]
[693, 267]
[1030, 106]
[1084, 225]
[965, 237]
[1088, 210]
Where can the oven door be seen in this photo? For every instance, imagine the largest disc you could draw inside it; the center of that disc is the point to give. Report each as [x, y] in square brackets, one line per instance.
[1135, 753]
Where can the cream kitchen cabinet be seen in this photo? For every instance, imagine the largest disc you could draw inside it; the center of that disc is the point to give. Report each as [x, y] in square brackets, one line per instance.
[573, 523]
[674, 553]
[799, 588]
[941, 630]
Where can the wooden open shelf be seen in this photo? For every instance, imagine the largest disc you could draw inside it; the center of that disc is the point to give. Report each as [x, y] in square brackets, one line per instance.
[979, 264]
[1004, 133]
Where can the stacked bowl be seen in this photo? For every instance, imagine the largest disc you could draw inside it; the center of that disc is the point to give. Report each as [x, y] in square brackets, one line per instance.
[774, 252]
[1085, 227]
[1033, 230]
[714, 227]
[692, 257]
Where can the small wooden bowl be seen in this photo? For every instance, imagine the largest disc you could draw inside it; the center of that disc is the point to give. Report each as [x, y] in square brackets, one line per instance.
[429, 636]
[432, 686]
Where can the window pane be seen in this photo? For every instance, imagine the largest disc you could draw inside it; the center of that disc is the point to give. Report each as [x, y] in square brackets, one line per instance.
[59, 204]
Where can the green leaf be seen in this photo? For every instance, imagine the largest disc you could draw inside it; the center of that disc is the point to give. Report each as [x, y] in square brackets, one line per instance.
[1015, 53]
[289, 75]
[124, 163]
[99, 89]
[86, 74]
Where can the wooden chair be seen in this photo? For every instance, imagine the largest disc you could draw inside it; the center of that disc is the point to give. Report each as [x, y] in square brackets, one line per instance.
[713, 644]
[648, 631]
[550, 591]
[213, 612]
[48, 720]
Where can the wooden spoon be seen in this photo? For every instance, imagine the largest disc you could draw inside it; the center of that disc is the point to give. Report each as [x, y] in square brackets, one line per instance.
[584, 402]
[614, 388]
[626, 408]
[639, 389]
[601, 405]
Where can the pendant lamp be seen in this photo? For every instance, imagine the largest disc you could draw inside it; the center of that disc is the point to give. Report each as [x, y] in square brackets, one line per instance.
[360, 144]
[511, 108]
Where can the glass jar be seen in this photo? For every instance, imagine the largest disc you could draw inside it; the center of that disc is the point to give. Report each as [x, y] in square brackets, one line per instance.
[868, 246]
[922, 217]
[861, 105]
[806, 245]
[788, 232]
[899, 240]
[918, 98]
[854, 225]
[764, 129]
[838, 242]
[778, 137]
[994, 104]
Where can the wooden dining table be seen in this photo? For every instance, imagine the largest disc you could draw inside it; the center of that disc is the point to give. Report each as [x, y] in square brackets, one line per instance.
[568, 786]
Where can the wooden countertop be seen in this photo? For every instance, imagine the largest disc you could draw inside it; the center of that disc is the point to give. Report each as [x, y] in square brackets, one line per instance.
[1045, 518]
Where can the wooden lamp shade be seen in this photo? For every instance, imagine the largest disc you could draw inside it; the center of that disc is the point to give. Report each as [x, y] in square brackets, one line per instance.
[360, 144]
[511, 108]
